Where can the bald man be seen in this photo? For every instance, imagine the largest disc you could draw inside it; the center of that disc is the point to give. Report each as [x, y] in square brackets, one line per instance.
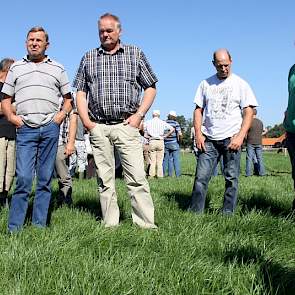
[223, 114]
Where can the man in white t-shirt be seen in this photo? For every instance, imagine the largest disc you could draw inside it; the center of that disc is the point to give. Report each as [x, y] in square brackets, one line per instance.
[222, 117]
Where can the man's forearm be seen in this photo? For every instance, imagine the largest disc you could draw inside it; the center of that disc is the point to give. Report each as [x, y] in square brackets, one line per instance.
[67, 105]
[72, 128]
[6, 107]
[83, 109]
[147, 100]
[247, 121]
[198, 117]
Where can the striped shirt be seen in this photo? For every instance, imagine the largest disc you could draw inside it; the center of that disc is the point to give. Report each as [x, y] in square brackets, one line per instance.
[156, 128]
[177, 131]
[37, 88]
[114, 82]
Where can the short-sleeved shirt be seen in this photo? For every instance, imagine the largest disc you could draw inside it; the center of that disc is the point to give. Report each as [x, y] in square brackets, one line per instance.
[222, 102]
[289, 122]
[173, 136]
[156, 128]
[114, 82]
[37, 88]
[254, 135]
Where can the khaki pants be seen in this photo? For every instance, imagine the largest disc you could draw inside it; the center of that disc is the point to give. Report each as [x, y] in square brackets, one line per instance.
[103, 138]
[63, 176]
[7, 163]
[156, 153]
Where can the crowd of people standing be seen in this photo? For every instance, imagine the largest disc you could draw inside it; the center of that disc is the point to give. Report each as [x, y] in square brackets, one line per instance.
[43, 127]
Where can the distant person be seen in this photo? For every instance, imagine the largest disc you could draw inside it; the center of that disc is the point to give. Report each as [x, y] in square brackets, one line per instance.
[66, 147]
[254, 147]
[36, 82]
[81, 152]
[289, 124]
[113, 75]
[222, 117]
[155, 131]
[172, 148]
[145, 147]
[7, 141]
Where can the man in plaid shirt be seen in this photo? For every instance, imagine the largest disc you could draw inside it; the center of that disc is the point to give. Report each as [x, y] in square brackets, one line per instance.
[112, 77]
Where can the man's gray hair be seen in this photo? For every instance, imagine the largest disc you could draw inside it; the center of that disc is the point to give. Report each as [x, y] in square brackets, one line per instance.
[5, 64]
[116, 18]
[39, 29]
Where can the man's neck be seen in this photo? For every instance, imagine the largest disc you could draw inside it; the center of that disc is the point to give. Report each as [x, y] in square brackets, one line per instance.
[112, 50]
[38, 59]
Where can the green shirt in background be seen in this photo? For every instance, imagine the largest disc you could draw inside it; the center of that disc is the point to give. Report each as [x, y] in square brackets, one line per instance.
[289, 121]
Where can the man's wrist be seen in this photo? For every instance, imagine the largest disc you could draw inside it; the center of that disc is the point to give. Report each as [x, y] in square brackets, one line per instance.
[140, 114]
[64, 112]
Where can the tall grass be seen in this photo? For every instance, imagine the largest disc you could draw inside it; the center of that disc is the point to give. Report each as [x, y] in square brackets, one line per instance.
[249, 253]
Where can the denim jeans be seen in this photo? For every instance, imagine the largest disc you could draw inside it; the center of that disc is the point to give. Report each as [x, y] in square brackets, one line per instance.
[35, 154]
[254, 152]
[171, 159]
[205, 166]
[290, 143]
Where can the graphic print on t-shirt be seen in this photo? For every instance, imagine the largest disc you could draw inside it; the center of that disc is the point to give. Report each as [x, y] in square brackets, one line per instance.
[219, 104]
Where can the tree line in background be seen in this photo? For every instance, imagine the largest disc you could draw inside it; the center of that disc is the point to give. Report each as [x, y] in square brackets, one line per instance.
[186, 125]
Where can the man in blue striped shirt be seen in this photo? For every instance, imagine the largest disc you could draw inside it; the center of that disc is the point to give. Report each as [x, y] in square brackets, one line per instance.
[171, 157]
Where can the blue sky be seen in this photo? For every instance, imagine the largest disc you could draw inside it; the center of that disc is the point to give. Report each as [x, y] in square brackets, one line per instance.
[178, 38]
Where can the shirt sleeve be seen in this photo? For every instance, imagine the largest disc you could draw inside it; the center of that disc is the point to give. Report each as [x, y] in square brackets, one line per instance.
[168, 126]
[9, 85]
[199, 97]
[65, 86]
[146, 77]
[80, 80]
[247, 97]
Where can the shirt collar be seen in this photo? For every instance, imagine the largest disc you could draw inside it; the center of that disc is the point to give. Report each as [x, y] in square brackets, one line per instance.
[102, 51]
[46, 59]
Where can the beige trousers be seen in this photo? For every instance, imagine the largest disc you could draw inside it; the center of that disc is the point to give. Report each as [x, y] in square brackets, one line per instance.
[156, 153]
[127, 141]
[7, 163]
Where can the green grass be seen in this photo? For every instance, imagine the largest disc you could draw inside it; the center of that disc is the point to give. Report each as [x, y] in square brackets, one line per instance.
[249, 253]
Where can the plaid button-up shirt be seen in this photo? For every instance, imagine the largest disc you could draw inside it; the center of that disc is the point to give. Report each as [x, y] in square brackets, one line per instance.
[114, 82]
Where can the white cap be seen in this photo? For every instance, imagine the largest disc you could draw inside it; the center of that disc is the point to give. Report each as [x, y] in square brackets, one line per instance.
[156, 112]
[172, 113]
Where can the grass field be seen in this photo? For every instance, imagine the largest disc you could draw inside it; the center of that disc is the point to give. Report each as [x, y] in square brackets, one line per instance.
[252, 252]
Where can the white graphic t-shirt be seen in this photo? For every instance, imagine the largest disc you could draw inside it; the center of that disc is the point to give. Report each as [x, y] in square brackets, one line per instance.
[223, 102]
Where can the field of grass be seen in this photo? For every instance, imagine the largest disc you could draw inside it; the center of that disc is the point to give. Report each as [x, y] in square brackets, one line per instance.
[252, 252]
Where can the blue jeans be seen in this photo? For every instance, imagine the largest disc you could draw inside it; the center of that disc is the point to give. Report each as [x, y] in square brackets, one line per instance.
[35, 154]
[205, 166]
[254, 152]
[171, 159]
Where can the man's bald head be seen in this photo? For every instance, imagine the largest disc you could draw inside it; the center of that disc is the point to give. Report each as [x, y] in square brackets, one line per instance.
[222, 52]
[222, 62]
